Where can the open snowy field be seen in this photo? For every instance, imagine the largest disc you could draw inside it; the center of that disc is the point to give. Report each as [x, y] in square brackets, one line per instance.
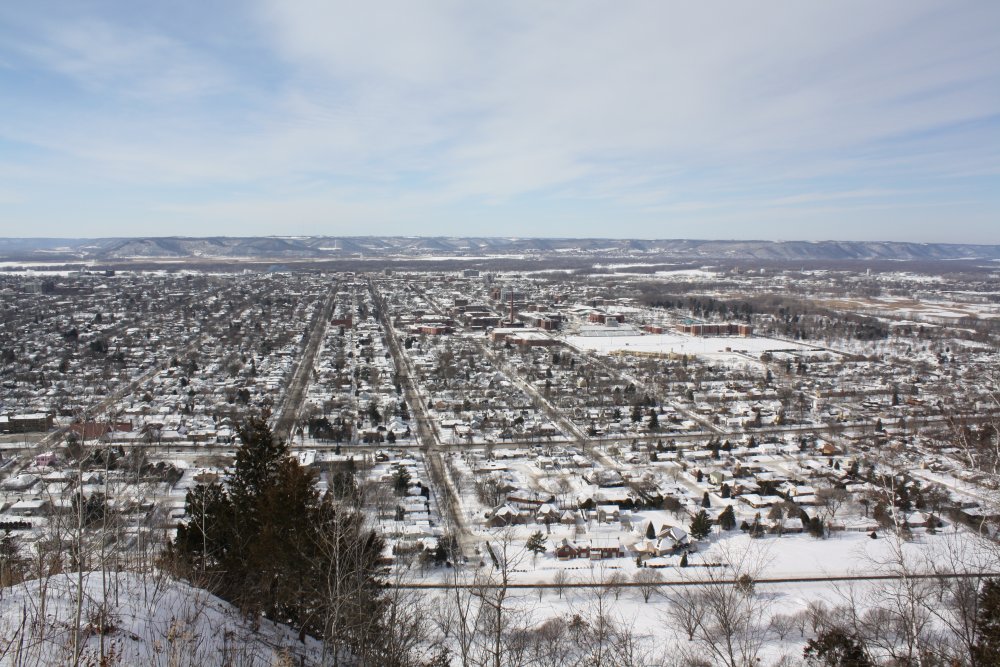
[791, 556]
[681, 344]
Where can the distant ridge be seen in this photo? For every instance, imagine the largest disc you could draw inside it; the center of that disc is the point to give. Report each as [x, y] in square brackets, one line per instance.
[333, 247]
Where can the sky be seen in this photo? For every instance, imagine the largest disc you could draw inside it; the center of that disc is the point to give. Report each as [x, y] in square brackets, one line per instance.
[850, 120]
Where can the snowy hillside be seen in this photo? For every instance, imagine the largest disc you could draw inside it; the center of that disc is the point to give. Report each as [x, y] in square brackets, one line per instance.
[327, 247]
[148, 620]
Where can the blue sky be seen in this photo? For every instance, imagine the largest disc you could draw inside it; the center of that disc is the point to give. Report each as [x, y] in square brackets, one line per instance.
[765, 120]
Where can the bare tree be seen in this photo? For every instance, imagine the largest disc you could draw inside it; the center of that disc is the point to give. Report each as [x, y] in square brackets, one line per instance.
[687, 616]
[831, 500]
[489, 626]
[723, 615]
[889, 618]
[648, 582]
[615, 583]
[954, 601]
[406, 628]
[561, 580]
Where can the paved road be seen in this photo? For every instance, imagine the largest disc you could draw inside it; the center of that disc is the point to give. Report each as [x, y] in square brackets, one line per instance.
[302, 375]
[680, 583]
[426, 432]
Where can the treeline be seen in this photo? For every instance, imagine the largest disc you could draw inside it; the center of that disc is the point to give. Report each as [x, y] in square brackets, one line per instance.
[777, 314]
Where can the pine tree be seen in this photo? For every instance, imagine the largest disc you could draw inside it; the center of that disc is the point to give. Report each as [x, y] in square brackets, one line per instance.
[987, 648]
[706, 501]
[836, 648]
[536, 544]
[701, 525]
[401, 480]
[267, 542]
[207, 541]
[256, 466]
[727, 519]
[13, 565]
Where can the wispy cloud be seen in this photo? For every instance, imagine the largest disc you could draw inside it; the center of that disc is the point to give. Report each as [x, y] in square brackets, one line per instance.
[653, 115]
[107, 59]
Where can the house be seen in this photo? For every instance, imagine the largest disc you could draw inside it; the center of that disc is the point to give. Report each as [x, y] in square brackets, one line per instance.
[566, 550]
[568, 518]
[922, 520]
[30, 507]
[677, 536]
[794, 491]
[45, 459]
[505, 515]
[547, 513]
[759, 502]
[528, 499]
[717, 477]
[20, 482]
[608, 513]
[604, 478]
[602, 548]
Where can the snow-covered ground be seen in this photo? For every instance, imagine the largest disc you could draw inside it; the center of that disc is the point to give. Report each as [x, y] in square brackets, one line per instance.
[781, 624]
[681, 344]
[148, 620]
[790, 556]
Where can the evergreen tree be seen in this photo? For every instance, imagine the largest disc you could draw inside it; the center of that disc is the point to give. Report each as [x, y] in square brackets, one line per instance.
[536, 544]
[706, 501]
[266, 541]
[373, 414]
[447, 546]
[401, 480]
[256, 467]
[701, 525]
[836, 648]
[727, 519]
[650, 532]
[987, 648]
[13, 564]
